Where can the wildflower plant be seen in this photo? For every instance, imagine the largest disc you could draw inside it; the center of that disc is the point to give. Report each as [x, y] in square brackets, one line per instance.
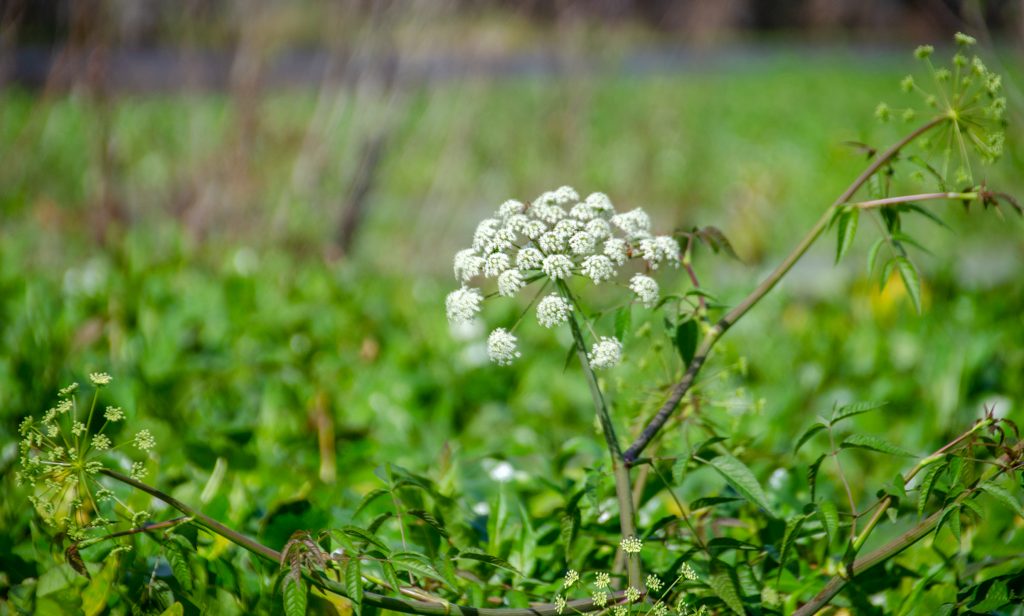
[551, 255]
[62, 458]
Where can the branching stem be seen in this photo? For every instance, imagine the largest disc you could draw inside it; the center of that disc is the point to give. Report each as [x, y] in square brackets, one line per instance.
[712, 337]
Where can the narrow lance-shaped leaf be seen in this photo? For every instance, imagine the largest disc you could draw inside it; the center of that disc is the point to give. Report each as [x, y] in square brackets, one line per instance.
[808, 434]
[1004, 496]
[354, 583]
[847, 230]
[850, 410]
[829, 518]
[294, 592]
[873, 254]
[874, 443]
[925, 488]
[686, 340]
[911, 280]
[740, 477]
[723, 585]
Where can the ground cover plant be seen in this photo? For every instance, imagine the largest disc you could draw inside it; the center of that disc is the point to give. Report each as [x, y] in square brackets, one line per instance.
[630, 529]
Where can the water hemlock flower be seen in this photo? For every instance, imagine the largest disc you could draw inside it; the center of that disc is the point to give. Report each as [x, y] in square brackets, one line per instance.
[632, 594]
[559, 603]
[557, 266]
[646, 289]
[553, 310]
[144, 440]
[558, 237]
[501, 347]
[606, 353]
[113, 413]
[99, 379]
[620, 610]
[602, 580]
[571, 577]
[600, 598]
[687, 572]
[463, 304]
[631, 545]
[509, 282]
[653, 582]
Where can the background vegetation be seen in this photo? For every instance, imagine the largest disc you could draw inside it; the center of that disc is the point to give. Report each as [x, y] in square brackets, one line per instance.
[194, 245]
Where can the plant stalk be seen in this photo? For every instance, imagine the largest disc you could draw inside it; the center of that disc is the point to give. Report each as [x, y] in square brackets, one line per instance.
[406, 606]
[712, 337]
[623, 485]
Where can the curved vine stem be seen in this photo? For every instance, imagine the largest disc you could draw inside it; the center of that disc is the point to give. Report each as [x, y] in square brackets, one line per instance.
[661, 417]
[406, 606]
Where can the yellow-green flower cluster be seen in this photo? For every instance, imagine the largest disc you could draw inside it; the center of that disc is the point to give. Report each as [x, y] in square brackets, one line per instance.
[62, 455]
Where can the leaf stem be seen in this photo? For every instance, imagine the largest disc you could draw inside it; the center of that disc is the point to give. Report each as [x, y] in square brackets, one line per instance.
[877, 203]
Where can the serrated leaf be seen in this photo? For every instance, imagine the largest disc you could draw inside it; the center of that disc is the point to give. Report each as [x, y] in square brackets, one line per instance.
[808, 434]
[570, 524]
[812, 474]
[489, 559]
[419, 565]
[857, 408]
[371, 496]
[294, 592]
[679, 469]
[740, 478]
[685, 340]
[792, 528]
[354, 583]
[391, 576]
[1003, 495]
[357, 533]
[951, 514]
[874, 443]
[375, 525]
[911, 280]
[829, 519]
[623, 321]
[177, 550]
[430, 521]
[716, 241]
[873, 254]
[925, 489]
[722, 584]
[846, 232]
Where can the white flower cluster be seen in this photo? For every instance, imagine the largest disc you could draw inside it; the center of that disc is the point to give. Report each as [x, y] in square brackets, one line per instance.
[557, 236]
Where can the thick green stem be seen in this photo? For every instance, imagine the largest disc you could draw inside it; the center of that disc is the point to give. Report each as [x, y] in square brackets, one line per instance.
[712, 337]
[623, 486]
[395, 604]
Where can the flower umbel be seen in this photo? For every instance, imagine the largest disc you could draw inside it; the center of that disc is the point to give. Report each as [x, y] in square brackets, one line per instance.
[631, 545]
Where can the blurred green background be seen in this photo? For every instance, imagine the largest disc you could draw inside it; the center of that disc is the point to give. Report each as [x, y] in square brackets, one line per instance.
[260, 254]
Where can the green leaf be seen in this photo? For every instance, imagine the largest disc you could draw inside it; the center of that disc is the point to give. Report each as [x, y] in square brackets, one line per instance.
[951, 514]
[175, 609]
[829, 519]
[419, 565]
[873, 254]
[994, 597]
[911, 280]
[430, 520]
[925, 489]
[570, 525]
[874, 443]
[685, 340]
[1004, 496]
[357, 533]
[489, 559]
[808, 434]
[792, 528]
[391, 575]
[740, 477]
[812, 474]
[846, 232]
[850, 410]
[371, 496]
[294, 592]
[712, 501]
[177, 550]
[623, 321]
[723, 585]
[354, 583]
[716, 241]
